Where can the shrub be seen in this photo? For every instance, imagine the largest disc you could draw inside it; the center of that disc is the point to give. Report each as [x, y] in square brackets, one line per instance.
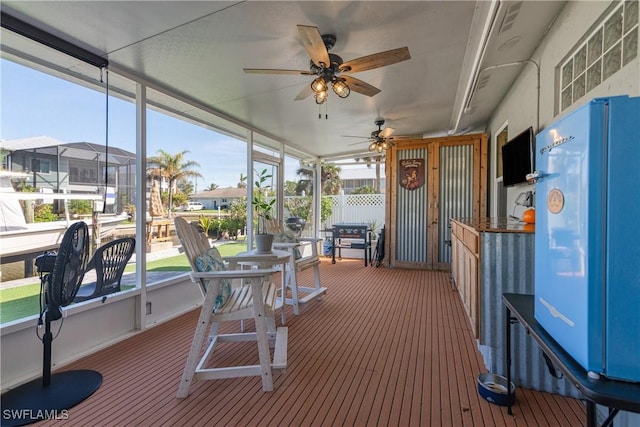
[237, 219]
[235, 225]
[326, 207]
[80, 207]
[301, 207]
[179, 199]
[366, 189]
[44, 213]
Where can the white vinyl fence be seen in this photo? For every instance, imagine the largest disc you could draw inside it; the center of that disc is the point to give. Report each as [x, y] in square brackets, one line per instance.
[355, 208]
[358, 209]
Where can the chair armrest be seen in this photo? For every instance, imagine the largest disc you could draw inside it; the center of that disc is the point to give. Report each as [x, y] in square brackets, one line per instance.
[231, 274]
[277, 245]
[248, 258]
[310, 239]
[314, 245]
[91, 265]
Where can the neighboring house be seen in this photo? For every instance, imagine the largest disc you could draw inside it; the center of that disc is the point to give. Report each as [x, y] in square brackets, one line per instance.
[353, 178]
[164, 184]
[220, 197]
[77, 167]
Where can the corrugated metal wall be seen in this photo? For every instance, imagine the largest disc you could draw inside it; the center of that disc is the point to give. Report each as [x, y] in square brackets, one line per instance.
[456, 191]
[507, 265]
[411, 215]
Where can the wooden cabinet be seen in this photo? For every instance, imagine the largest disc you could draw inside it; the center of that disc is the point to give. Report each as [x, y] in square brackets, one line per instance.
[491, 256]
[464, 269]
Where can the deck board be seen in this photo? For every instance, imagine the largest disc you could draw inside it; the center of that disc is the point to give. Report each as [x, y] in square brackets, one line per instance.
[384, 347]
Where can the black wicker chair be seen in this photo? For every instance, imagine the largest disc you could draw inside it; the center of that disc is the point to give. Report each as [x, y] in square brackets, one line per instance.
[109, 262]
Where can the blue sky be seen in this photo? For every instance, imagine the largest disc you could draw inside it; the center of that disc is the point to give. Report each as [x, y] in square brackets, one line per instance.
[35, 104]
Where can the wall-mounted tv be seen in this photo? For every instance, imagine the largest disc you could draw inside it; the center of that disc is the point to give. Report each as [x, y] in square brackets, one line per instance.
[518, 158]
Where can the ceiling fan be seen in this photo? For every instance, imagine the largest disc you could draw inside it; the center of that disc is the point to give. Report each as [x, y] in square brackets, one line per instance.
[331, 70]
[380, 139]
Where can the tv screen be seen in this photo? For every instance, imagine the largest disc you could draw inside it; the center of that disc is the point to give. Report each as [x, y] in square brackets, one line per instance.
[517, 158]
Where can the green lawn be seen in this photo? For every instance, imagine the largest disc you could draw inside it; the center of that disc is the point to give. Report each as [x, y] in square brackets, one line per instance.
[23, 301]
[174, 263]
[19, 302]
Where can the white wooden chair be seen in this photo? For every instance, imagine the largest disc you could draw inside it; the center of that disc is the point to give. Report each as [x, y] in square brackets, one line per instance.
[239, 305]
[288, 241]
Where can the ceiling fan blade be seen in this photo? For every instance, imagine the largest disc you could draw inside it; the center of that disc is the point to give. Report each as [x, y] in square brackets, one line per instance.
[304, 93]
[386, 132]
[404, 137]
[356, 143]
[376, 60]
[275, 71]
[359, 86]
[355, 136]
[312, 41]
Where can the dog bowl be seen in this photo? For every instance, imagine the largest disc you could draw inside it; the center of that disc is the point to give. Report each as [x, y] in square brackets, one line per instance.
[494, 389]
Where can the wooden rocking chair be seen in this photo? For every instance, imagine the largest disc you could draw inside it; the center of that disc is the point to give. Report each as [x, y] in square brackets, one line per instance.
[239, 304]
[288, 241]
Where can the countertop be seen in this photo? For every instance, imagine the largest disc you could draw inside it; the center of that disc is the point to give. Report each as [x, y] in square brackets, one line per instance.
[496, 225]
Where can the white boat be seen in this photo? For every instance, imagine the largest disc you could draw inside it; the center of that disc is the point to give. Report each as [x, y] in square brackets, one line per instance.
[19, 239]
[15, 244]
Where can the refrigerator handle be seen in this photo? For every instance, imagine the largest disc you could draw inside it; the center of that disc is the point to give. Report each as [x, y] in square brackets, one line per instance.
[535, 176]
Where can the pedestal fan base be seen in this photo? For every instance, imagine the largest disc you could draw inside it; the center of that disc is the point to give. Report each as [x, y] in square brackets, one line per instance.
[32, 402]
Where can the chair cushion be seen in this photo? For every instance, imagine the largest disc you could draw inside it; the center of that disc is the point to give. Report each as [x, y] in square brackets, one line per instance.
[212, 261]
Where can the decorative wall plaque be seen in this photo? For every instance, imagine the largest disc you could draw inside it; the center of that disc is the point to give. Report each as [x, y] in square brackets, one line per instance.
[411, 173]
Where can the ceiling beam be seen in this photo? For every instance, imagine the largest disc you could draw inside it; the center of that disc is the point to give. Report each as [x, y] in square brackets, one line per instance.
[36, 34]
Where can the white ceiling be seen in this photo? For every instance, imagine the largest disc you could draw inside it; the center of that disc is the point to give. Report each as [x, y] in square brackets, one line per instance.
[197, 50]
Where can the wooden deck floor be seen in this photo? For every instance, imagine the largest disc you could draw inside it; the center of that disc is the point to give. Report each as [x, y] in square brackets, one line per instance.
[385, 347]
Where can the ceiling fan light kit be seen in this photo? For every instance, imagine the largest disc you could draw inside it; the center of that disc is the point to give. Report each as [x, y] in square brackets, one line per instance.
[320, 89]
[379, 146]
[321, 97]
[319, 85]
[340, 88]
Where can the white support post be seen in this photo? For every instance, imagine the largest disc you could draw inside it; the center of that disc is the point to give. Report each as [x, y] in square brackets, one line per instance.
[141, 203]
[317, 197]
[249, 189]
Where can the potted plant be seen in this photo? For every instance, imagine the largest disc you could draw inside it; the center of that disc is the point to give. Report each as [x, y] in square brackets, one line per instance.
[263, 210]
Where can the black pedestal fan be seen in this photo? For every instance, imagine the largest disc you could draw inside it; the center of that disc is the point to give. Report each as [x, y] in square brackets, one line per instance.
[52, 396]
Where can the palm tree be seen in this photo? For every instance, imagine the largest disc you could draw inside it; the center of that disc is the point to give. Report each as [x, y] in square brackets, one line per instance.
[330, 180]
[185, 186]
[243, 181]
[378, 160]
[172, 168]
[212, 186]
